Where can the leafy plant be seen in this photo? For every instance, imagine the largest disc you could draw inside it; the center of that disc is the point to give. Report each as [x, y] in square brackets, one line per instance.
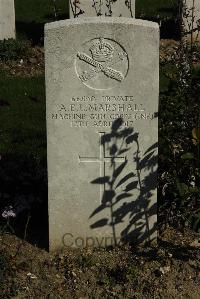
[85, 261]
[132, 273]
[179, 160]
[4, 267]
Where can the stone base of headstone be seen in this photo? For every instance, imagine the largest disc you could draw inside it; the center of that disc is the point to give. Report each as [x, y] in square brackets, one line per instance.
[102, 89]
[7, 19]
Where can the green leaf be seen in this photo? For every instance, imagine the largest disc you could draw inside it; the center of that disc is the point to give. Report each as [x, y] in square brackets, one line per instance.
[196, 135]
[187, 156]
[182, 188]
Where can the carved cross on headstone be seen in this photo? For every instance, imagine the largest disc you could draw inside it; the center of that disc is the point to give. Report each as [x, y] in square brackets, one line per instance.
[102, 160]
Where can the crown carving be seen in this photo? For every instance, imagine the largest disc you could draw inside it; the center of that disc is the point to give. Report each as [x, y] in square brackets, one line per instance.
[102, 51]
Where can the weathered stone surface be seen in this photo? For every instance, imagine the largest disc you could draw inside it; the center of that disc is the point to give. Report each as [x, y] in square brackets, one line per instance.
[105, 8]
[102, 173]
[7, 19]
[191, 18]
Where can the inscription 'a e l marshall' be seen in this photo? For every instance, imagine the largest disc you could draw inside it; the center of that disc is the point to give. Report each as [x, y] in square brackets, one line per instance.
[99, 107]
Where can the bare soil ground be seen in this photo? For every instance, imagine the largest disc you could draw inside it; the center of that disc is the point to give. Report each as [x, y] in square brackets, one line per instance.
[169, 269]
[31, 66]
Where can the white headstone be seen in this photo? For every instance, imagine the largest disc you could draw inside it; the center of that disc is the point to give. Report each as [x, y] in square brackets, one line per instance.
[191, 18]
[7, 19]
[105, 8]
[102, 88]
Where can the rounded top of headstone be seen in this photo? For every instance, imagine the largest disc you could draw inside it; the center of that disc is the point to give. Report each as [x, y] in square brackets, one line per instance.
[97, 20]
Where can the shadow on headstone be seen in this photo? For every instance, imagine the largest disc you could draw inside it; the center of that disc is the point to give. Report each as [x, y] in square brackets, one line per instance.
[117, 188]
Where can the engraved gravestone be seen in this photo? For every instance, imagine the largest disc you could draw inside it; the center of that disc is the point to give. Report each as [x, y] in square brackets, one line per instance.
[7, 19]
[191, 18]
[102, 78]
[105, 8]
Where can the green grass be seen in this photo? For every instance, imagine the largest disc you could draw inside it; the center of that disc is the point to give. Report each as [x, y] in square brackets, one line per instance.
[31, 15]
[23, 171]
[153, 8]
[23, 126]
[38, 11]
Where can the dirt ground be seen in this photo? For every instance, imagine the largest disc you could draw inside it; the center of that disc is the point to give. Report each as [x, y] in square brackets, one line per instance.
[31, 66]
[168, 269]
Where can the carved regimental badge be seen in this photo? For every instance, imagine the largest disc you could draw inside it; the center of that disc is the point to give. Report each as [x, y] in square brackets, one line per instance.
[102, 64]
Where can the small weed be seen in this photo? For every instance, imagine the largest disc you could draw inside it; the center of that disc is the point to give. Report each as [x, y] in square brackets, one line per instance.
[84, 261]
[132, 273]
[118, 275]
[107, 280]
[4, 267]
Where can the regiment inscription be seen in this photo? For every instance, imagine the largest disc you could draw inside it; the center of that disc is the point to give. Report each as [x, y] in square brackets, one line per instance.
[101, 112]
